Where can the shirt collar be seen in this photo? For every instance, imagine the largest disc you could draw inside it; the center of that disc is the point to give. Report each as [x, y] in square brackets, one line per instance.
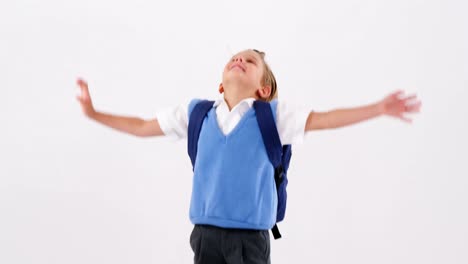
[247, 102]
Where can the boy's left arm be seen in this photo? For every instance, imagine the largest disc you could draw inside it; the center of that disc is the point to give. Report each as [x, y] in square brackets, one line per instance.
[395, 105]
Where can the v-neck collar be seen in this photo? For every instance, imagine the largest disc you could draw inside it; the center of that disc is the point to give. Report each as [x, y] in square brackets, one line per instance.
[221, 102]
[247, 111]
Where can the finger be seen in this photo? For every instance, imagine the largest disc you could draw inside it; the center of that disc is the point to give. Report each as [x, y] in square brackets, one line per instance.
[84, 90]
[79, 79]
[82, 83]
[82, 98]
[413, 107]
[414, 102]
[405, 119]
[397, 93]
[410, 98]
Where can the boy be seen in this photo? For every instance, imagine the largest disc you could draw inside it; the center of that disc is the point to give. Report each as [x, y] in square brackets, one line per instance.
[234, 198]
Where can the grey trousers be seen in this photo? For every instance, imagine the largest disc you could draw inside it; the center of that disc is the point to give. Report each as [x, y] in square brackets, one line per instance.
[215, 245]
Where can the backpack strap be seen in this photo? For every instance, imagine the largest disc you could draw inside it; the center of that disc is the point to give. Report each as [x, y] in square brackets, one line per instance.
[271, 139]
[270, 135]
[194, 126]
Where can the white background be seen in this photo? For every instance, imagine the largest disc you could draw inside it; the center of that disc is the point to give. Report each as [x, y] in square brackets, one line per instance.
[73, 191]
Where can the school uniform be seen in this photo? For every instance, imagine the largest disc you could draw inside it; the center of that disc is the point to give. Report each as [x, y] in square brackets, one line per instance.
[234, 199]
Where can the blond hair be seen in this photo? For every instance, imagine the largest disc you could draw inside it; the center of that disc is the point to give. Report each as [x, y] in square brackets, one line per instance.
[268, 78]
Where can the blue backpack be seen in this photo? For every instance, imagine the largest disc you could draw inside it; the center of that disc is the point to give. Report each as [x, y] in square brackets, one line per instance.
[279, 155]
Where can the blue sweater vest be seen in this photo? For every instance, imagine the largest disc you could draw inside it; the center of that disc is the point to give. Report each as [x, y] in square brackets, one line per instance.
[233, 182]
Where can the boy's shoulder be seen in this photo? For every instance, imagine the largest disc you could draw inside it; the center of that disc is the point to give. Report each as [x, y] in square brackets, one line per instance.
[194, 102]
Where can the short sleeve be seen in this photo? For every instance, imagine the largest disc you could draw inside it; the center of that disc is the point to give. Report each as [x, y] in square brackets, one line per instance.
[291, 121]
[174, 121]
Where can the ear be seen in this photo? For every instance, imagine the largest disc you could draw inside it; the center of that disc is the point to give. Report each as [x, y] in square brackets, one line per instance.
[221, 88]
[264, 92]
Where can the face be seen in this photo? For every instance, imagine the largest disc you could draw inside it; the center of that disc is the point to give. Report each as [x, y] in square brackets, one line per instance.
[245, 68]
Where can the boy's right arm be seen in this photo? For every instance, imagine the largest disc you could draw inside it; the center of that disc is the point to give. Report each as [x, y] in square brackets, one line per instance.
[131, 125]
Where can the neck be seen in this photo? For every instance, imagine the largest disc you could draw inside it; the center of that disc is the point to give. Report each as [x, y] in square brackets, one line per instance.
[234, 93]
[231, 102]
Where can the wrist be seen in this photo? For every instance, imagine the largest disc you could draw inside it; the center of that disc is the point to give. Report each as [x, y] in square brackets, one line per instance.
[91, 114]
[379, 108]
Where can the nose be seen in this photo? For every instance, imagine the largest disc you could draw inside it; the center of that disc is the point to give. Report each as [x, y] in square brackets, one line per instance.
[238, 59]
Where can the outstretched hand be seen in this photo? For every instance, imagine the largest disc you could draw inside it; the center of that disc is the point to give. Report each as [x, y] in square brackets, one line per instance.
[397, 105]
[84, 98]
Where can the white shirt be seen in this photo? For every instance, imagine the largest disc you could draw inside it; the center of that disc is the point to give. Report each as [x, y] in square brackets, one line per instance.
[290, 120]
